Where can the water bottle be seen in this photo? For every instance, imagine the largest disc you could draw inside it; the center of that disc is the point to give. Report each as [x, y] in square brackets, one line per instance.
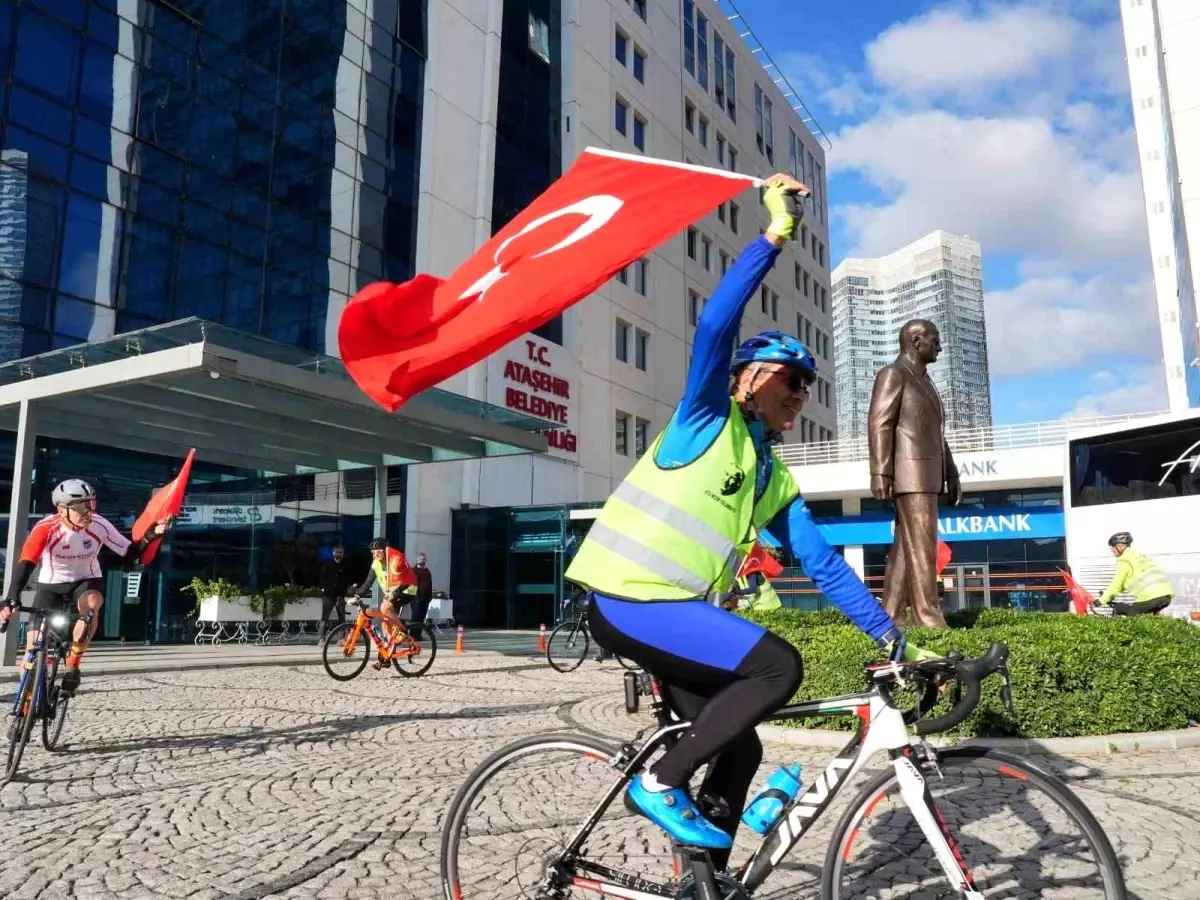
[764, 809]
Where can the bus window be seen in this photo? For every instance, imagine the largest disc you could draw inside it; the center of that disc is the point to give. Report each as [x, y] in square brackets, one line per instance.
[1152, 463]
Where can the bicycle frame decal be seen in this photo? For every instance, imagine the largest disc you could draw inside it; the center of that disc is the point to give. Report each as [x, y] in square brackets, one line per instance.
[915, 792]
[808, 806]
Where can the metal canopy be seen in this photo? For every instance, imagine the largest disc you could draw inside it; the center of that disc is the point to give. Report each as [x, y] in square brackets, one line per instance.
[245, 401]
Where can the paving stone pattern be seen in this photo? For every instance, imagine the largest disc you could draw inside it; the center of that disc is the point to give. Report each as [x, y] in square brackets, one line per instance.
[239, 784]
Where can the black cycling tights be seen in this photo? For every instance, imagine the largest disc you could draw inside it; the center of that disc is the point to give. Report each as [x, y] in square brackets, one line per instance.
[724, 707]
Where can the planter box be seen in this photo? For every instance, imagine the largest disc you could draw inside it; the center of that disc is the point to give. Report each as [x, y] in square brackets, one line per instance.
[214, 609]
[305, 609]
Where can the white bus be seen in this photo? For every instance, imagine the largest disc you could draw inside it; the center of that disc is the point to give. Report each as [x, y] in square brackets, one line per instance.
[1142, 477]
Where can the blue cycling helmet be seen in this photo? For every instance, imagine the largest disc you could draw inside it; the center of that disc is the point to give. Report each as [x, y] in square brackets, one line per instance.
[775, 346]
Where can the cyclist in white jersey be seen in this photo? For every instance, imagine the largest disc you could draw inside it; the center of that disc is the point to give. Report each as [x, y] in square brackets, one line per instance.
[65, 549]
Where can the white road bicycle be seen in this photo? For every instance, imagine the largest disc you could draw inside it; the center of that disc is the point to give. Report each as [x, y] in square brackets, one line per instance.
[961, 822]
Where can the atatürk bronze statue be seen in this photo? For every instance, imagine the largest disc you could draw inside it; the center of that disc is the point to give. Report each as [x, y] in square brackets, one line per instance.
[911, 463]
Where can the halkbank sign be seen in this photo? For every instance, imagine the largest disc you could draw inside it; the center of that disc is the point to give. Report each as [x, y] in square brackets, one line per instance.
[953, 525]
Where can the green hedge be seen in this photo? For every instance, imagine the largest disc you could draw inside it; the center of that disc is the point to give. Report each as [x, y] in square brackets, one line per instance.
[1071, 675]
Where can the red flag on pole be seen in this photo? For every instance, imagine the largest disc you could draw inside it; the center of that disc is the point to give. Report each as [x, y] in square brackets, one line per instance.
[943, 556]
[1081, 598]
[759, 560]
[608, 210]
[166, 502]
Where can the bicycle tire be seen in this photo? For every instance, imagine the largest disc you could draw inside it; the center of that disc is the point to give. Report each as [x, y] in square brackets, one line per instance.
[56, 707]
[478, 780]
[846, 830]
[566, 632]
[332, 640]
[627, 663]
[428, 645]
[20, 736]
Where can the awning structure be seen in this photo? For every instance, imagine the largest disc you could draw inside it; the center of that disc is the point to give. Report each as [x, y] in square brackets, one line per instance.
[241, 401]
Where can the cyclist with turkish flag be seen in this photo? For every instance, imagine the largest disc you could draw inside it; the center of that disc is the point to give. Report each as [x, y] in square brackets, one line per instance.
[660, 559]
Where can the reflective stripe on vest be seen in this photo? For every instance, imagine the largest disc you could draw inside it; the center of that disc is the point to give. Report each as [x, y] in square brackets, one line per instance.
[685, 523]
[1146, 580]
[632, 551]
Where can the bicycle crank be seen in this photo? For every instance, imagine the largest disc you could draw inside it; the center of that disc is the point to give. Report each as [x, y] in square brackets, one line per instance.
[728, 888]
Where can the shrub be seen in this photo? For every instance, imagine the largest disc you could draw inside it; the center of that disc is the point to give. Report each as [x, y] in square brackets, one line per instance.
[1071, 675]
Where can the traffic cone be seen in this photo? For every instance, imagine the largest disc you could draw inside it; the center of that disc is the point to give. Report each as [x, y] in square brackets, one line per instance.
[458, 646]
[542, 639]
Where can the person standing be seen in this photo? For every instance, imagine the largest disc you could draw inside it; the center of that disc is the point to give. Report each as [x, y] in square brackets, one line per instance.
[335, 582]
[423, 595]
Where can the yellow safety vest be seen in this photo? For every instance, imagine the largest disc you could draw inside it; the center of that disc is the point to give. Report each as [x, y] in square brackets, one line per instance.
[1138, 575]
[764, 596]
[681, 533]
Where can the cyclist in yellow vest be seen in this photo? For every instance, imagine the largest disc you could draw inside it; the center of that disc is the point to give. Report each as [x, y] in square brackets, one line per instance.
[659, 561]
[1138, 575]
[391, 571]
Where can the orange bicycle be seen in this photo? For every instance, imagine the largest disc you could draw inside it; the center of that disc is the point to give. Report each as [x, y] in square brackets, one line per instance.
[347, 648]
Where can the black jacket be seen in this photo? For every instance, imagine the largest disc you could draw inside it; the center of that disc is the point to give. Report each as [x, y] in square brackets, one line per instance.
[335, 580]
[424, 582]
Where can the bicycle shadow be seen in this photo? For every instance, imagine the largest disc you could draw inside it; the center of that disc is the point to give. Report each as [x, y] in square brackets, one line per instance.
[1053, 856]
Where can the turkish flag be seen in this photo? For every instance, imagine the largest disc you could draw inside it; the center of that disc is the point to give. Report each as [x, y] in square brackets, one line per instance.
[166, 502]
[943, 556]
[608, 210]
[759, 560]
[1081, 598]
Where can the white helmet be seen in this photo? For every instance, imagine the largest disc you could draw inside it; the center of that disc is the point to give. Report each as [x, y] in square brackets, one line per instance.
[72, 490]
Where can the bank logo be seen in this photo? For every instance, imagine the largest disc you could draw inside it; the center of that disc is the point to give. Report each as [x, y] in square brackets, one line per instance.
[733, 482]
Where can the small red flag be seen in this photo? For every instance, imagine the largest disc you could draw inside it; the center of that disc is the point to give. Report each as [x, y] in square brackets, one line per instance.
[759, 560]
[1081, 598]
[167, 502]
[608, 210]
[943, 556]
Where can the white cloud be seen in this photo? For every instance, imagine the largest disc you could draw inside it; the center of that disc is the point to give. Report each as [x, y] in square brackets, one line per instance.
[955, 50]
[1144, 390]
[1014, 184]
[1059, 323]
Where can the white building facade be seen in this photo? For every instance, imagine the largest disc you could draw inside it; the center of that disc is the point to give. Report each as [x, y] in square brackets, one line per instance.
[939, 278]
[671, 79]
[1162, 38]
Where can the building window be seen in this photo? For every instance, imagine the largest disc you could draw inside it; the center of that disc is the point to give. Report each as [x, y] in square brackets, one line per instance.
[732, 159]
[803, 236]
[719, 69]
[733, 217]
[821, 261]
[764, 298]
[622, 341]
[639, 133]
[689, 36]
[730, 86]
[689, 117]
[799, 327]
[691, 242]
[807, 281]
[774, 307]
[797, 276]
[721, 212]
[641, 349]
[720, 148]
[539, 37]
[814, 247]
[641, 431]
[693, 307]
[824, 300]
[808, 333]
[623, 275]
[702, 133]
[702, 51]
[639, 7]
[819, 192]
[622, 117]
[640, 267]
[621, 444]
[763, 127]
[639, 65]
[795, 154]
[724, 262]
[706, 253]
[621, 50]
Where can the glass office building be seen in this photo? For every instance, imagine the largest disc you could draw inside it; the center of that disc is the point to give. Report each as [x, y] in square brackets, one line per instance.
[250, 162]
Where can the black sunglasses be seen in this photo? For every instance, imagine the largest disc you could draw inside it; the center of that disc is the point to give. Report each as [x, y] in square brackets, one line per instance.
[796, 380]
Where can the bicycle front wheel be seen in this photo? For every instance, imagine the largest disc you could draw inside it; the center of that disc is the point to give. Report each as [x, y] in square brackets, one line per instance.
[567, 647]
[26, 707]
[1018, 830]
[343, 656]
[57, 702]
[517, 812]
[412, 658]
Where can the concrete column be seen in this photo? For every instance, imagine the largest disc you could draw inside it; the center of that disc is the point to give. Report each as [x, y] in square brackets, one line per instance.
[856, 559]
[18, 511]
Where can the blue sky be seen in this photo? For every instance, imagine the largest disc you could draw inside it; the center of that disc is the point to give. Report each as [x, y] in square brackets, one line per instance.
[1010, 121]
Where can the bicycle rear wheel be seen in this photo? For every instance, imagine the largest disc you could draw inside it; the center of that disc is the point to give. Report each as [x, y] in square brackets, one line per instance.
[412, 658]
[519, 809]
[57, 702]
[342, 657]
[1020, 832]
[26, 704]
[567, 647]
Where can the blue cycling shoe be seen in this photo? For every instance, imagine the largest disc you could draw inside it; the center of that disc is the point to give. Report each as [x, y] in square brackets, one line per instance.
[675, 812]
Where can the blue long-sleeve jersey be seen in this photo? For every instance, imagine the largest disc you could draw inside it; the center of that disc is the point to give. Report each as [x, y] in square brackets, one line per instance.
[701, 415]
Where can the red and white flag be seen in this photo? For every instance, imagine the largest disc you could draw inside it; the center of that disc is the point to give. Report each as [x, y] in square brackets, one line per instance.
[165, 503]
[606, 211]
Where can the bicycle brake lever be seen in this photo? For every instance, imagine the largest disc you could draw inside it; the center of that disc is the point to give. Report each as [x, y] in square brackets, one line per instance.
[1006, 690]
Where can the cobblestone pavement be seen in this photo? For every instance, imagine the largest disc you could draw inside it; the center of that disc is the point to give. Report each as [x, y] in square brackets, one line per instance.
[239, 784]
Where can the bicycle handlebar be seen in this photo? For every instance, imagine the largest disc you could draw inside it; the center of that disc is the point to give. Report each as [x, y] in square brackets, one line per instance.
[969, 673]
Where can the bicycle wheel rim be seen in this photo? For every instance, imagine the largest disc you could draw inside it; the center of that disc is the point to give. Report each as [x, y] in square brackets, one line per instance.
[56, 706]
[20, 738]
[348, 664]
[573, 640]
[1019, 785]
[529, 827]
[414, 665]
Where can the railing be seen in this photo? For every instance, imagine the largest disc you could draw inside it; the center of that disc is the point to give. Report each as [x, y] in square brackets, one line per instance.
[964, 440]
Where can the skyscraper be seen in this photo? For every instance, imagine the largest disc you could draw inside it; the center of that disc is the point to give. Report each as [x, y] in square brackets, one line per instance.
[939, 278]
[1161, 39]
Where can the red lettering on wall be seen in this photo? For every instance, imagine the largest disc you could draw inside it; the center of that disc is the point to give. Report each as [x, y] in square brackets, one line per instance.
[540, 382]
